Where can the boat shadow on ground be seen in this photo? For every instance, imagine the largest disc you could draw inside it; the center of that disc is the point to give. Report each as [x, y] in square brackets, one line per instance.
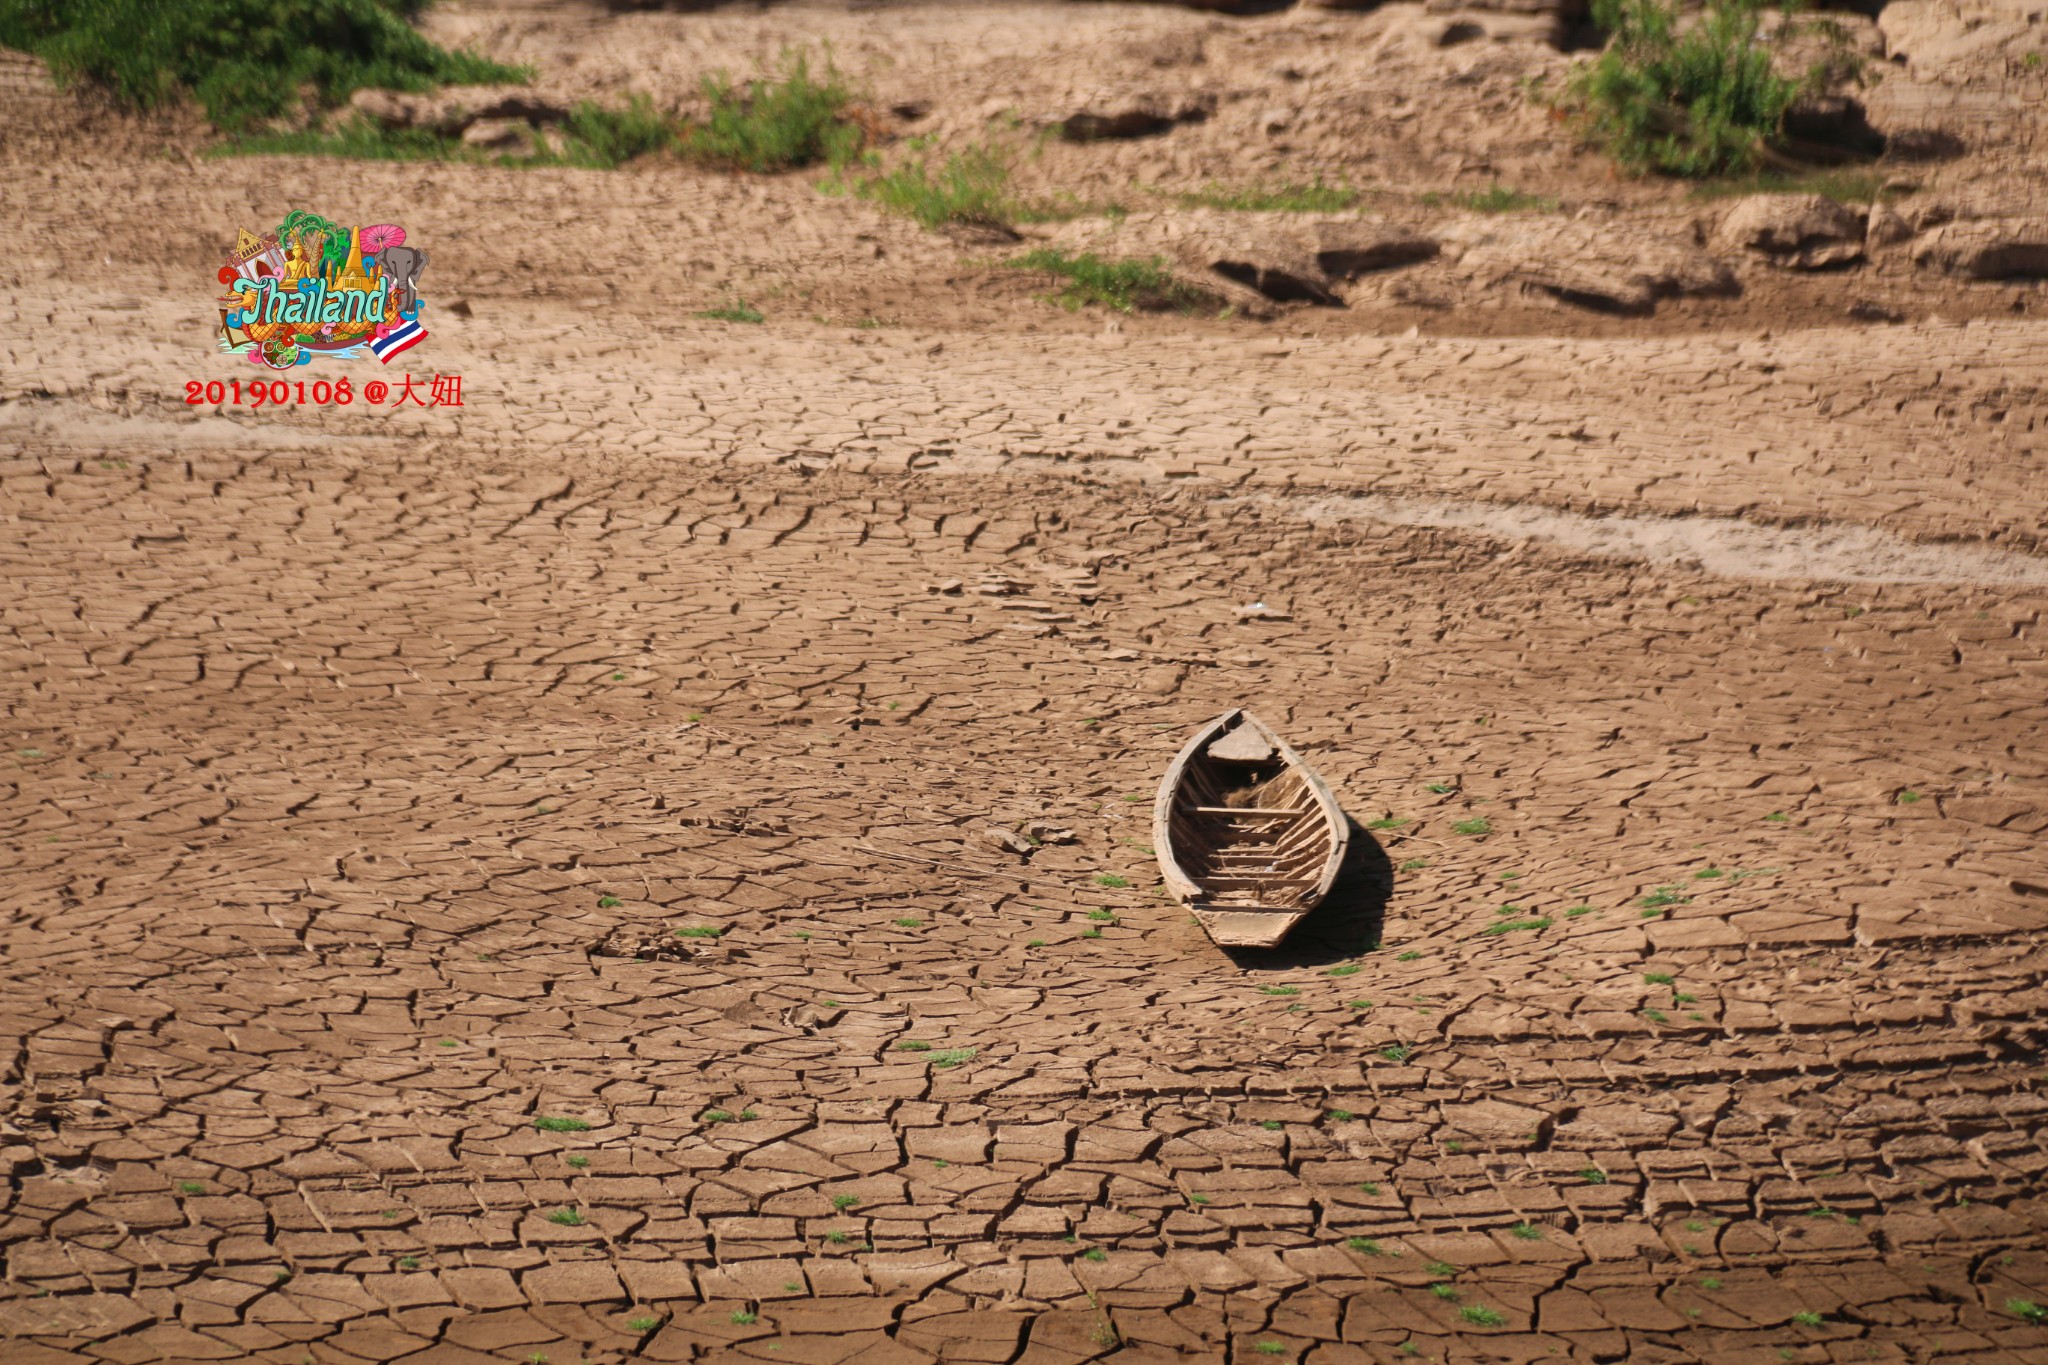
[1346, 924]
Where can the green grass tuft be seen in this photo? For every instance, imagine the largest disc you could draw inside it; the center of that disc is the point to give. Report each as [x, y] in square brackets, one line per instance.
[737, 311]
[1315, 197]
[1495, 198]
[950, 1058]
[549, 1124]
[1509, 926]
[1478, 825]
[1479, 1315]
[700, 931]
[971, 187]
[776, 124]
[1121, 285]
[1842, 186]
[568, 1218]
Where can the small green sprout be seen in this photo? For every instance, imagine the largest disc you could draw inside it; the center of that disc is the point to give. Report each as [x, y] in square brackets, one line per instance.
[568, 1218]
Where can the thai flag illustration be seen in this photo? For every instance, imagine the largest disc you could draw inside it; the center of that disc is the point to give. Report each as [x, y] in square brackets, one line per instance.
[401, 338]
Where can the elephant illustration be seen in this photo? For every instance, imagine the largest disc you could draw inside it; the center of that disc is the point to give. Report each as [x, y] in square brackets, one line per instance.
[402, 266]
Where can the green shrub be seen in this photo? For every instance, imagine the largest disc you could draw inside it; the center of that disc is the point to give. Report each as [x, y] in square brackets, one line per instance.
[245, 61]
[1694, 103]
[776, 125]
[1121, 285]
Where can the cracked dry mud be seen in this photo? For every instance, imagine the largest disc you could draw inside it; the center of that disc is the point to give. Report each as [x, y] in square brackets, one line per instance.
[1682, 1002]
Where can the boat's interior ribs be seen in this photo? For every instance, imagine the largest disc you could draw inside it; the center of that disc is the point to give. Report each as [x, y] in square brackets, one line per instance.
[1249, 832]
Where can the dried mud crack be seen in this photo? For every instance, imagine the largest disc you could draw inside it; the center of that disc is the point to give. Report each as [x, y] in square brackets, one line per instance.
[653, 863]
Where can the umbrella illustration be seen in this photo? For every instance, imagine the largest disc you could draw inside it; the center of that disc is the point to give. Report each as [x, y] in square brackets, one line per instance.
[375, 239]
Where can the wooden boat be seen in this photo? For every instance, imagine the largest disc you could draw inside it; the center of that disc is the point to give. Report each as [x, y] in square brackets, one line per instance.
[1248, 837]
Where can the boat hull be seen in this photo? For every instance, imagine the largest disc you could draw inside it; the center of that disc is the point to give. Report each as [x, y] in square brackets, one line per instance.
[1249, 837]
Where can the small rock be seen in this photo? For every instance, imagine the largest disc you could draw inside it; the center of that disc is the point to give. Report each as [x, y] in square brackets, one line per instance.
[1987, 249]
[511, 136]
[1931, 214]
[1347, 250]
[1863, 310]
[1163, 681]
[455, 108]
[1046, 832]
[1800, 231]
[1007, 840]
[1276, 269]
[1885, 227]
[1134, 115]
[1259, 611]
[952, 587]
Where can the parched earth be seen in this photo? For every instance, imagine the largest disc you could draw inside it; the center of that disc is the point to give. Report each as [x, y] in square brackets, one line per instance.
[534, 880]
